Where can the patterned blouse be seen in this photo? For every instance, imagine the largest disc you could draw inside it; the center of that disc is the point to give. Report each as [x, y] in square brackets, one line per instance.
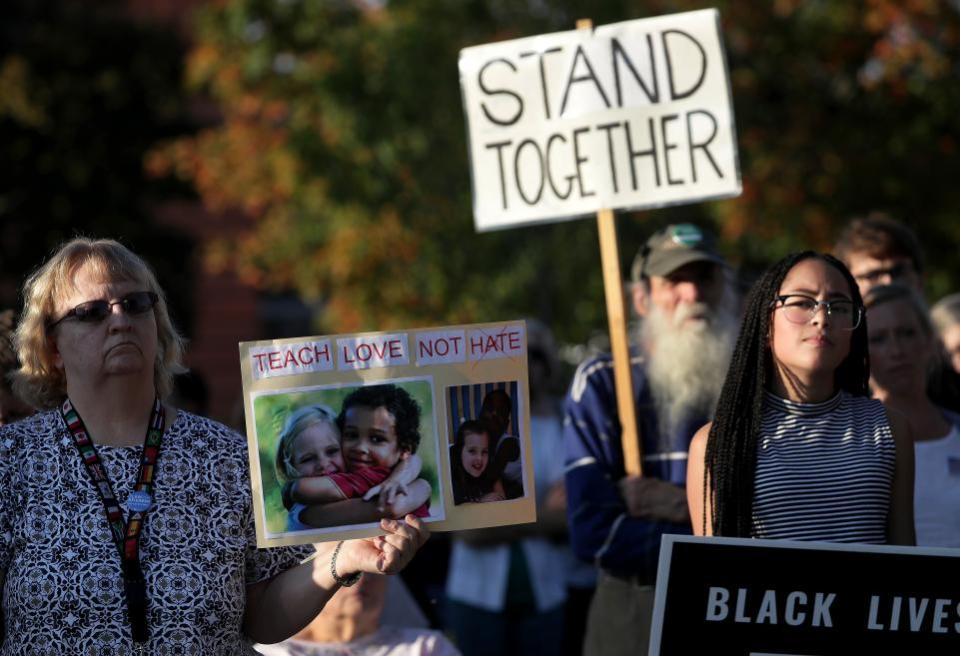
[63, 592]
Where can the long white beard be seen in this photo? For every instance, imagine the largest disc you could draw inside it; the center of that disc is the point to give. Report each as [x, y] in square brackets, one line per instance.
[687, 364]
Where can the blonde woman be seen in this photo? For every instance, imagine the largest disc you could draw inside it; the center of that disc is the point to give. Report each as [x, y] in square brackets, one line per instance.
[125, 524]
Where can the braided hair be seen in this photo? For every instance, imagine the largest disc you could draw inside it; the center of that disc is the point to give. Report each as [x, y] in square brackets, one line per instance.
[731, 452]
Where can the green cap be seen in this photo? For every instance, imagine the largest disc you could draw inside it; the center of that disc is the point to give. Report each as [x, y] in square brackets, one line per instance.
[672, 247]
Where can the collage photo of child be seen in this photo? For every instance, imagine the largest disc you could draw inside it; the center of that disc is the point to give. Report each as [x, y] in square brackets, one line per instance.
[354, 465]
[485, 457]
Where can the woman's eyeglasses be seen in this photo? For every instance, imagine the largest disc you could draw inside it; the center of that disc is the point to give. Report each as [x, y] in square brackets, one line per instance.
[96, 311]
[801, 309]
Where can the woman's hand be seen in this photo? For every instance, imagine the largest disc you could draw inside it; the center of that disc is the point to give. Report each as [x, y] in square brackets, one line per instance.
[278, 607]
[385, 554]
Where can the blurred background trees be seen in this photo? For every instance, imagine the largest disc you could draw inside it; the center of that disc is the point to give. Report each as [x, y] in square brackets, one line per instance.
[341, 136]
[84, 93]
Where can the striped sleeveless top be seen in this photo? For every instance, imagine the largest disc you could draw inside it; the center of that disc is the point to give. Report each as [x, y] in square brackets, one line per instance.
[824, 470]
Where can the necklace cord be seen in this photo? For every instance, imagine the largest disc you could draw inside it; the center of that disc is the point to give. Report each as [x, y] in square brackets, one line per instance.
[125, 534]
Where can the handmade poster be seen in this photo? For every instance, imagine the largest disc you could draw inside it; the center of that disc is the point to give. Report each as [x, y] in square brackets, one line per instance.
[632, 115]
[346, 429]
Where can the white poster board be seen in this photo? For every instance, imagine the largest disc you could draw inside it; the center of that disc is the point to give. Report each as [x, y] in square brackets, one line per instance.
[331, 418]
[635, 115]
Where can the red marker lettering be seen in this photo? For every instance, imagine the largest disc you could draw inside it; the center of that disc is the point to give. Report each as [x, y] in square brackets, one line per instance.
[424, 348]
[304, 356]
[396, 349]
[360, 352]
[346, 355]
[322, 353]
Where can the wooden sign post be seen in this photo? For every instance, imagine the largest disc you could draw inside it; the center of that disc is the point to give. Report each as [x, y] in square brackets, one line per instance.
[619, 342]
[619, 339]
[631, 115]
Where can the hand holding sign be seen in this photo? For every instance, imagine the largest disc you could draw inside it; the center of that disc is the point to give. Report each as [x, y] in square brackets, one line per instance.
[347, 429]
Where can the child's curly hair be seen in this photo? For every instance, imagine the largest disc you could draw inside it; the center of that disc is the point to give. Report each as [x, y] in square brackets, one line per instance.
[398, 402]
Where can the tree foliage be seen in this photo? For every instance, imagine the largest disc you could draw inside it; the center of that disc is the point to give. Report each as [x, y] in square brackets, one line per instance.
[343, 136]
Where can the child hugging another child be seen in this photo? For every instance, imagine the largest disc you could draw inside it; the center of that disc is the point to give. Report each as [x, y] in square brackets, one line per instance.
[365, 451]
[470, 457]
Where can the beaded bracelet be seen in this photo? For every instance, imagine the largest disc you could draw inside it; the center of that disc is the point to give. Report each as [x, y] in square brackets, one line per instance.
[344, 581]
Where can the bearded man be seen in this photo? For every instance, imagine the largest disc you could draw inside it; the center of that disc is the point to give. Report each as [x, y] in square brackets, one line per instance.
[683, 293]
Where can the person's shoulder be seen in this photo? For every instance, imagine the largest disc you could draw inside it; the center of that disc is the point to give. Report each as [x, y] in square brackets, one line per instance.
[875, 421]
[421, 641]
[863, 407]
[597, 372]
[951, 416]
[28, 431]
[187, 422]
[204, 437]
[698, 444]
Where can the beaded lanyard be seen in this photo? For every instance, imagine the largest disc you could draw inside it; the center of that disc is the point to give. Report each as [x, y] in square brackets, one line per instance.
[126, 535]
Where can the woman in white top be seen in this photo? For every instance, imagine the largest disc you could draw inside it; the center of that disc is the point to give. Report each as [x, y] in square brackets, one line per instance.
[796, 449]
[350, 625]
[903, 351]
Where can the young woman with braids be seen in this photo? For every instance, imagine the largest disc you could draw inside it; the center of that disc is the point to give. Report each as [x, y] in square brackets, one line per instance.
[797, 449]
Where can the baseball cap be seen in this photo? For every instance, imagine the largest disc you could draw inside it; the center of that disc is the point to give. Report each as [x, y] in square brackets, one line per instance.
[671, 247]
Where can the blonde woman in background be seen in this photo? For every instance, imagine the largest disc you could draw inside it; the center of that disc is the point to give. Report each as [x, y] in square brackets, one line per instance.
[903, 352]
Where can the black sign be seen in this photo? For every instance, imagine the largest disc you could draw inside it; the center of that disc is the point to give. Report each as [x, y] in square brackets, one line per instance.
[785, 598]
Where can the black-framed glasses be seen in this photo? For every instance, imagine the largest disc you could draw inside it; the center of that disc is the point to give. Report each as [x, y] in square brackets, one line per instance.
[96, 311]
[801, 309]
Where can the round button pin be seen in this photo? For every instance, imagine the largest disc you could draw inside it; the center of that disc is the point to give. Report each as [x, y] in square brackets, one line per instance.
[139, 501]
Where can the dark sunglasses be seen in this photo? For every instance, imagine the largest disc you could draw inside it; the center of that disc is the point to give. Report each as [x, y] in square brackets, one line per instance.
[96, 311]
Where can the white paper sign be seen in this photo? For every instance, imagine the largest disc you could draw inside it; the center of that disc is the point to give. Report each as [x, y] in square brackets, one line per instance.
[441, 347]
[505, 342]
[431, 400]
[371, 352]
[290, 359]
[630, 115]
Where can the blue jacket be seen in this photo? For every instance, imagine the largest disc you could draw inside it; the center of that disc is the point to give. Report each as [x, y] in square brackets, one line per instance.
[600, 529]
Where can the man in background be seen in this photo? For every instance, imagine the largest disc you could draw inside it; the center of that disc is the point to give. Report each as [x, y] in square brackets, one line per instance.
[683, 293]
[879, 250]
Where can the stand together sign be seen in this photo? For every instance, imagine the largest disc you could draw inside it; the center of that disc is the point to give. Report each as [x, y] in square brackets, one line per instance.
[629, 115]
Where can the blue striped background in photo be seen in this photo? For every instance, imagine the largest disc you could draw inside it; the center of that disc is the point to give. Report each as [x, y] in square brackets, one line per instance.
[465, 401]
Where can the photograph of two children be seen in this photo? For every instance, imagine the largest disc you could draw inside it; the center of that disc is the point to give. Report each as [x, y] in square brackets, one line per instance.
[345, 430]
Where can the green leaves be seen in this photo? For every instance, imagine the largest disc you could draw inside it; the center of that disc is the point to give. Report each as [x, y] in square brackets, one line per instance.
[343, 135]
